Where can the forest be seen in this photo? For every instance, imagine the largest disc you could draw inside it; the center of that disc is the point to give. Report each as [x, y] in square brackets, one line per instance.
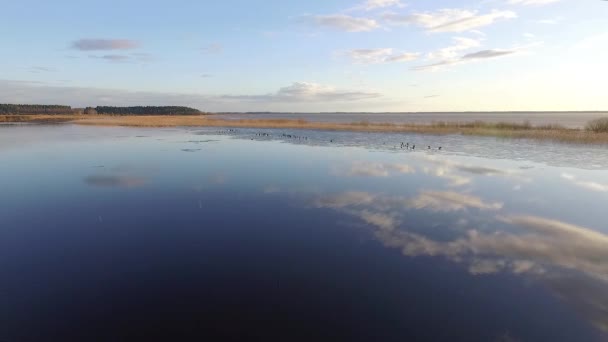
[34, 109]
[145, 110]
[23, 109]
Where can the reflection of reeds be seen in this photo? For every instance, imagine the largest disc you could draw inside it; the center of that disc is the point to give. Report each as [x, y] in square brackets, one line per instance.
[551, 132]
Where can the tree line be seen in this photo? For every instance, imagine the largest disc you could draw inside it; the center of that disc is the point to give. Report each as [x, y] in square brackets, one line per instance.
[145, 110]
[21, 109]
[34, 109]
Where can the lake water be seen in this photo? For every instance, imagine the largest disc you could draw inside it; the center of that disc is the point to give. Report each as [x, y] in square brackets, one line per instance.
[566, 119]
[112, 234]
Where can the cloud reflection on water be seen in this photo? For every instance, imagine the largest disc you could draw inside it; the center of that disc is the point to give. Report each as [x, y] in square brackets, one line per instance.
[530, 239]
[374, 169]
[114, 181]
[593, 186]
[519, 244]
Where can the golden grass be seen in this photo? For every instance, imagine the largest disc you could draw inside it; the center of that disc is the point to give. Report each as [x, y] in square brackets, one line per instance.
[39, 118]
[479, 128]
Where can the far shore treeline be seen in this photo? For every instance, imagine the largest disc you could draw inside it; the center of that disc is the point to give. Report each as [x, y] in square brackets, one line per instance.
[22, 109]
[34, 109]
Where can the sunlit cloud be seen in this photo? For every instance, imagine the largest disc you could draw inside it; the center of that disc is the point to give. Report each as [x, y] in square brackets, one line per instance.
[449, 20]
[214, 48]
[299, 92]
[379, 56]
[471, 57]
[459, 44]
[104, 44]
[112, 58]
[378, 4]
[343, 22]
[307, 91]
[532, 2]
[40, 69]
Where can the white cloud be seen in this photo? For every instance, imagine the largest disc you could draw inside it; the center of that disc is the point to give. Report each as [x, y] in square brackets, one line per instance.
[344, 22]
[377, 4]
[378, 56]
[549, 21]
[532, 2]
[449, 20]
[460, 44]
[471, 57]
[307, 92]
[41, 69]
[370, 56]
[45, 93]
[403, 57]
[104, 44]
[214, 48]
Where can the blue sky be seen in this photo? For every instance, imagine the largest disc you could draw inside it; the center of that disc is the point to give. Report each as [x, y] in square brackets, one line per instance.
[344, 55]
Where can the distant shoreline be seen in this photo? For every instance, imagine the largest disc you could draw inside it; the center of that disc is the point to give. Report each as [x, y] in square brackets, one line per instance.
[511, 130]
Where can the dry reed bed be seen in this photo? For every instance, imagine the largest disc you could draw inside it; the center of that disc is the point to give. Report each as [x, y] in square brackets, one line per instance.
[479, 128]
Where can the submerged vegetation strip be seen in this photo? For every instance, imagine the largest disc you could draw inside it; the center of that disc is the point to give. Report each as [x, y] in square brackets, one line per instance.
[596, 132]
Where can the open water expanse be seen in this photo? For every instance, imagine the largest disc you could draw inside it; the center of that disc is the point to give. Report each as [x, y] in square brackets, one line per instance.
[122, 234]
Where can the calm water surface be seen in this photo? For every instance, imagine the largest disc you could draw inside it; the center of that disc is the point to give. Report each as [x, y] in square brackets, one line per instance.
[112, 234]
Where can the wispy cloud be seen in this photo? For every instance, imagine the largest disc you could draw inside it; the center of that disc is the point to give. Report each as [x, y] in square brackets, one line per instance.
[549, 21]
[298, 92]
[370, 5]
[532, 2]
[343, 22]
[379, 56]
[471, 57]
[308, 92]
[104, 44]
[40, 69]
[214, 48]
[117, 58]
[459, 45]
[112, 58]
[449, 20]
